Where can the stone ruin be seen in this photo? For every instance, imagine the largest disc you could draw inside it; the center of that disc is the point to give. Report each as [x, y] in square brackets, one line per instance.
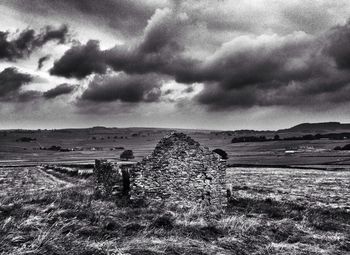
[179, 170]
[111, 179]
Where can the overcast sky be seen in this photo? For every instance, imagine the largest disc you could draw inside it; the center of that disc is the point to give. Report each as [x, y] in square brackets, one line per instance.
[239, 64]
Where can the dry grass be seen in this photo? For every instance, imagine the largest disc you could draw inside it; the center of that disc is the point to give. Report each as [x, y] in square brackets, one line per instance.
[70, 220]
[329, 189]
[28, 180]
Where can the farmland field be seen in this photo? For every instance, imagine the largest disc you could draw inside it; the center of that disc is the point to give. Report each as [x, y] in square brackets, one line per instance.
[328, 189]
[281, 203]
[89, 144]
[31, 180]
[26, 181]
[271, 211]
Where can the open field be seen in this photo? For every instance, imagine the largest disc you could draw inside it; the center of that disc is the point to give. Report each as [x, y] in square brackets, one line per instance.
[107, 143]
[31, 180]
[297, 209]
[272, 211]
[309, 188]
[28, 180]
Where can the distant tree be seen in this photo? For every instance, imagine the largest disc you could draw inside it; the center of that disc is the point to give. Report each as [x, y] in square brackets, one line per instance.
[346, 147]
[222, 153]
[276, 137]
[55, 148]
[318, 136]
[25, 139]
[248, 139]
[93, 138]
[308, 137]
[126, 155]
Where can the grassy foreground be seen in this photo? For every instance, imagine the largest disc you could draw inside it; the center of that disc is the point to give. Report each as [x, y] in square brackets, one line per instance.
[72, 221]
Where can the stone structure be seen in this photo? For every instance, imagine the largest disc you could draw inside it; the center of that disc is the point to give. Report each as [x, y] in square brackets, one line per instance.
[111, 179]
[180, 170]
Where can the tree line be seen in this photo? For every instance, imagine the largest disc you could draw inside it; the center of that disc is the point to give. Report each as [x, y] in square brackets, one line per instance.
[330, 136]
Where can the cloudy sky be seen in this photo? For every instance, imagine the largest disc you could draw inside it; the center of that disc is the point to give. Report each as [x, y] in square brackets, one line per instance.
[209, 64]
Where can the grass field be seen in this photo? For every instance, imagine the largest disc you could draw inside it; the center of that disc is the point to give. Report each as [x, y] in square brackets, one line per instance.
[102, 143]
[272, 211]
[328, 189]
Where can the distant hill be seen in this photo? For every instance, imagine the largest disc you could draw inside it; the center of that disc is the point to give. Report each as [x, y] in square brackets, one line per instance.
[298, 130]
[321, 127]
[303, 128]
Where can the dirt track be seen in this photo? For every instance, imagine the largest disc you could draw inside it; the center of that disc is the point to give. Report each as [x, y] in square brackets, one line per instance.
[28, 180]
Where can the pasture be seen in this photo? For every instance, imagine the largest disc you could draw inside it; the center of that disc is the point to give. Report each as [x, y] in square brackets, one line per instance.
[108, 143]
[305, 187]
[272, 211]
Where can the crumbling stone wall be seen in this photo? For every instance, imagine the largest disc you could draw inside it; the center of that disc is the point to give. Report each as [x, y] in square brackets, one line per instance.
[111, 179]
[105, 177]
[179, 170]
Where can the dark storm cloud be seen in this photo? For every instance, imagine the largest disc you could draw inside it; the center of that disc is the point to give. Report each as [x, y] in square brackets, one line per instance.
[124, 88]
[249, 70]
[127, 16]
[218, 99]
[80, 61]
[339, 45]
[61, 89]
[11, 80]
[249, 60]
[158, 51]
[189, 89]
[243, 61]
[50, 33]
[11, 83]
[317, 93]
[42, 60]
[295, 71]
[27, 96]
[28, 40]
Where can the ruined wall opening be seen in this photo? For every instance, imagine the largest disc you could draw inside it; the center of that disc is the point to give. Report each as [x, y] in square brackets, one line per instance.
[125, 181]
